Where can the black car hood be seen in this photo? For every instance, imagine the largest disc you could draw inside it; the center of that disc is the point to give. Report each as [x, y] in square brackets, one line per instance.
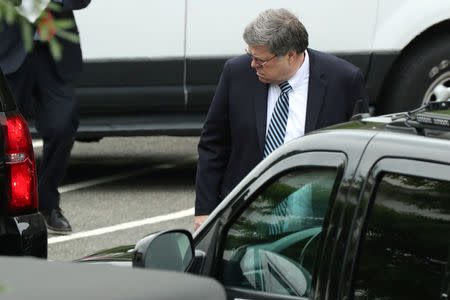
[120, 256]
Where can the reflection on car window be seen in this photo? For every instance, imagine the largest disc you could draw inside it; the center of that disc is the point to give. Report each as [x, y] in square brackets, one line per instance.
[271, 247]
[294, 210]
[406, 249]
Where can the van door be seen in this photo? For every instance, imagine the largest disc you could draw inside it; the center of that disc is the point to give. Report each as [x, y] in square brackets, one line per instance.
[133, 60]
[214, 33]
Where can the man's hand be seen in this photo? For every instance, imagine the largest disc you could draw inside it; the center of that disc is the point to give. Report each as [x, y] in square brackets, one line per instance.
[198, 220]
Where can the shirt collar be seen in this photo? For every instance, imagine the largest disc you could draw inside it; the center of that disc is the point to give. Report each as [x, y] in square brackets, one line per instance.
[299, 77]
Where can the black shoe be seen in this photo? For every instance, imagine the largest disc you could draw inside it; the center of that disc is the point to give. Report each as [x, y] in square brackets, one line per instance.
[56, 222]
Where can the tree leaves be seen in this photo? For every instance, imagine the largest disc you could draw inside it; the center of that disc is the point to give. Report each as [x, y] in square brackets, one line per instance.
[8, 11]
[55, 49]
[10, 16]
[27, 34]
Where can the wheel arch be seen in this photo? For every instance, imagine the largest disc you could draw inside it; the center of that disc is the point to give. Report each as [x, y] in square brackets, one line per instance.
[399, 23]
[434, 32]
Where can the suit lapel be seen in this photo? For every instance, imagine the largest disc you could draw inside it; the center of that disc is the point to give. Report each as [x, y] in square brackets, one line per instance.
[316, 92]
[260, 103]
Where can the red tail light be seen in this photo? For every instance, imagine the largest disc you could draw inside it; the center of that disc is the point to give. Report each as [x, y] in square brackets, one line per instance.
[20, 165]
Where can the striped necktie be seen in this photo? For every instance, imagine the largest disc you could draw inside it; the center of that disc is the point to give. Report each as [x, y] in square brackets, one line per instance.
[277, 126]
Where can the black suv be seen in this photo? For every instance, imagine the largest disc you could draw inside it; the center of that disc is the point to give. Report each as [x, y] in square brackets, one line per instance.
[22, 227]
[359, 210]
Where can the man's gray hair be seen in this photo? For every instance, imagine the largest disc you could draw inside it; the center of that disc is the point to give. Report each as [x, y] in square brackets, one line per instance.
[279, 29]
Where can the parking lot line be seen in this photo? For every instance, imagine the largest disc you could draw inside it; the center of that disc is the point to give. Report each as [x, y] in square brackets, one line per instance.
[80, 185]
[99, 231]
[37, 143]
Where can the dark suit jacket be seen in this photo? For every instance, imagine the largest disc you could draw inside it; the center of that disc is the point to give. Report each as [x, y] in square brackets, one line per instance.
[12, 51]
[233, 136]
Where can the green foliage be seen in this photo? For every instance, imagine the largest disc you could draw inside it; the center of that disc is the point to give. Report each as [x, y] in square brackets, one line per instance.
[8, 11]
[67, 35]
[27, 34]
[55, 49]
[10, 16]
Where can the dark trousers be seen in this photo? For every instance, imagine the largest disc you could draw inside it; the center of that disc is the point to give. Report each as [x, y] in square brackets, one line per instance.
[40, 93]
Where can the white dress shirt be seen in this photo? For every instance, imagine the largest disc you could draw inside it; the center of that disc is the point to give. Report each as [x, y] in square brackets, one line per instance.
[295, 126]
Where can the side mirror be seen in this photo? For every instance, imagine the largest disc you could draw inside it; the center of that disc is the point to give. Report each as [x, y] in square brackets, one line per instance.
[167, 250]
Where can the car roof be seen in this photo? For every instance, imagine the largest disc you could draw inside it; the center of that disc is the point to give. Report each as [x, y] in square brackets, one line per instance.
[31, 278]
[431, 120]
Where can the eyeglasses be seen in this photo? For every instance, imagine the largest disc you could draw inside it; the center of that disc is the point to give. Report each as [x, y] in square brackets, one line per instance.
[259, 62]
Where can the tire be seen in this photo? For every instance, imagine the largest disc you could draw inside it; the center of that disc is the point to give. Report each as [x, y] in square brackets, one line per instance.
[88, 139]
[421, 75]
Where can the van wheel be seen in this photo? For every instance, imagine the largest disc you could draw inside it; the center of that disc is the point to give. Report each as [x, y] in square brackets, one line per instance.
[422, 75]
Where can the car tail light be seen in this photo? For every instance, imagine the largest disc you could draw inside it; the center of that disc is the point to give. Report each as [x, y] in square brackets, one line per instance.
[20, 165]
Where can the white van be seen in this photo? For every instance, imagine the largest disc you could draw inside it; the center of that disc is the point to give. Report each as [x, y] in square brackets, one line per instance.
[151, 67]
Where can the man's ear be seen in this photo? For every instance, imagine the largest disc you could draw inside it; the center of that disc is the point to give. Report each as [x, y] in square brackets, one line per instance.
[292, 56]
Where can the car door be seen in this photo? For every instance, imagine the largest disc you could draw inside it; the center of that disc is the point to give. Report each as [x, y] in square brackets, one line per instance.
[401, 243]
[268, 240]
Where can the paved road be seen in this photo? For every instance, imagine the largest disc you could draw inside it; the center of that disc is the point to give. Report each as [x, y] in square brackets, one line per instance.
[120, 189]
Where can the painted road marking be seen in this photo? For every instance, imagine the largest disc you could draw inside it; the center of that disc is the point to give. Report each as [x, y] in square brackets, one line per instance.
[123, 226]
[99, 231]
[37, 143]
[81, 185]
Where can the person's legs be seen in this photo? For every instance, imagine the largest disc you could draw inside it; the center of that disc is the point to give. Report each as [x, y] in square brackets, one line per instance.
[21, 85]
[57, 123]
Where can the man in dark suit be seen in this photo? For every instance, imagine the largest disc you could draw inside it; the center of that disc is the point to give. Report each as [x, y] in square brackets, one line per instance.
[43, 85]
[279, 91]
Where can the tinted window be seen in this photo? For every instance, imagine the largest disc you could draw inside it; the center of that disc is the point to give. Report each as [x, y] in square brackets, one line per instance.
[405, 252]
[272, 245]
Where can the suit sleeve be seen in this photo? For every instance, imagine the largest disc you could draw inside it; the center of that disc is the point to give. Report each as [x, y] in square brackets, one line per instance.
[359, 100]
[74, 4]
[213, 149]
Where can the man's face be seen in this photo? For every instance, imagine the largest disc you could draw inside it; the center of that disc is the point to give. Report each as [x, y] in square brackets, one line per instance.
[270, 68]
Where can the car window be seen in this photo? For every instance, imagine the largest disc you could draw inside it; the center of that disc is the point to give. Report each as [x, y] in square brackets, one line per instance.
[272, 245]
[406, 247]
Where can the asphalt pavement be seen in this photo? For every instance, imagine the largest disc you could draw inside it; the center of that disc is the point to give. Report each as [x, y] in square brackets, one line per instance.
[120, 189]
